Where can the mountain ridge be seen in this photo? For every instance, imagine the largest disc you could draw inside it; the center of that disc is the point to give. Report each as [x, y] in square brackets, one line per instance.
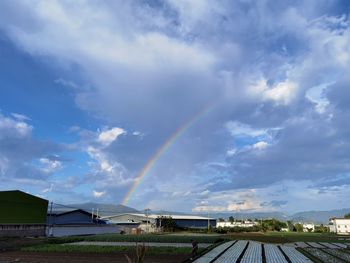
[316, 216]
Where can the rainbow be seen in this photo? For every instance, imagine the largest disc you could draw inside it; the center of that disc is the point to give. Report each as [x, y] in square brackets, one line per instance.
[150, 163]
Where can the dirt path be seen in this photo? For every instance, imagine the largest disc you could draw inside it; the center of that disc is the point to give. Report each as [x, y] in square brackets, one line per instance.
[19, 256]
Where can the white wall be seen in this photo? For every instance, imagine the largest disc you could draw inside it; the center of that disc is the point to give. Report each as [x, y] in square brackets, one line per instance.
[342, 226]
[76, 230]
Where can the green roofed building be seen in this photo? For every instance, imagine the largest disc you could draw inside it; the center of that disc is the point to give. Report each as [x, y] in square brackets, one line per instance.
[22, 214]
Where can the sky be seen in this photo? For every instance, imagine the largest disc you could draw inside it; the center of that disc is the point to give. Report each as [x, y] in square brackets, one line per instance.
[177, 105]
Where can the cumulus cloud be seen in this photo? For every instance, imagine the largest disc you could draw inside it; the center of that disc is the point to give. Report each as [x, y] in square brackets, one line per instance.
[97, 194]
[280, 91]
[11, 127]
[108, 136]
[26, 162]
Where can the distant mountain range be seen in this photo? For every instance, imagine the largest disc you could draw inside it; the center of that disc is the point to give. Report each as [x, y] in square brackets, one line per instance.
[105, 209]
[320, 217]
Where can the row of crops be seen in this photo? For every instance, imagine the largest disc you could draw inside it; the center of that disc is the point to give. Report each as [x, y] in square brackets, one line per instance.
[243, 251]
[138, 238]
[329, 255]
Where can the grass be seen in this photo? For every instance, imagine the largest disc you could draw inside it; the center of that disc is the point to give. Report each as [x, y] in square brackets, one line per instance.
[106, 249]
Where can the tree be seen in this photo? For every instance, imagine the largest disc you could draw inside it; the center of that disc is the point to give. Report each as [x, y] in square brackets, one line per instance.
[221, 220]
[167, 223]
[299, 227]
[231, 219]
[347, 216]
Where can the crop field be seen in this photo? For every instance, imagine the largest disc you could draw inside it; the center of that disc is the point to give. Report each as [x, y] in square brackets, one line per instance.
[106, 249]
[269, 237]
[141, 238]
[251, 251]
[240, 247]
[288, 237]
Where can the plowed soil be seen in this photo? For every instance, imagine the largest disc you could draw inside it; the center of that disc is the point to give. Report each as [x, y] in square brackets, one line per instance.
[19, 256]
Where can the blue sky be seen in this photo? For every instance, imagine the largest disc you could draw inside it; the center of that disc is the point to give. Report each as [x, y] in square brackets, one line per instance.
[90, 90]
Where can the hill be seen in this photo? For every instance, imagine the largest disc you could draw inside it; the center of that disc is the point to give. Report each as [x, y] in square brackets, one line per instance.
[105, 209]
[319, 216]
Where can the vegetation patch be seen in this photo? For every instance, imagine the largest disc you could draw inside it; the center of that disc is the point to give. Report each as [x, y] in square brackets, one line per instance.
[140, 238]
[106, 249]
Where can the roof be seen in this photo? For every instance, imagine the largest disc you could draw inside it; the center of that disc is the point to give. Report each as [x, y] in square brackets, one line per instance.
[10, 194]
[155, 216]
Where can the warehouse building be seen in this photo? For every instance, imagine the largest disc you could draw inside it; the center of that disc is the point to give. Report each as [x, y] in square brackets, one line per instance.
[154, 222]
[73, 222]
[72, 217]
[22, 214]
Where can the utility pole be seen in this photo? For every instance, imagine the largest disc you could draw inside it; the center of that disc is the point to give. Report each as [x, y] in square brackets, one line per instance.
[92, 215]
[146, 212]
[51, 221]
[208, 220]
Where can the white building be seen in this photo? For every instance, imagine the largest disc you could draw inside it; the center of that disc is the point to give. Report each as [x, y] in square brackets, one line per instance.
[236, 224]
[308, 227]
[341, 226]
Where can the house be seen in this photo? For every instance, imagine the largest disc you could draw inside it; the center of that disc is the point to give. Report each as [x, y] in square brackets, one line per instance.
[341, 226]
[22, 214]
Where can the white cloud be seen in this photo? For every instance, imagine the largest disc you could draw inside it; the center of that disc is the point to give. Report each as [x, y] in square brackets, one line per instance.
[240, 129]
[316, 95]
[243, 200]
[260, 145]
[281, 93]
[20, 117]
[50, 166]
[108, 136]
[14, 127]
[98, 194]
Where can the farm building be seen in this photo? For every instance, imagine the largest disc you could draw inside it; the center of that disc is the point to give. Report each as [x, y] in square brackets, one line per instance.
[237, 224]
[341, 226]
[22, 214]
[152, 222]
[308, 227]
[71, 217]
[69, 222]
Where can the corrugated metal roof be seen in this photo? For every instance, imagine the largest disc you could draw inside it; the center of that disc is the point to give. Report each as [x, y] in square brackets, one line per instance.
[155, 216]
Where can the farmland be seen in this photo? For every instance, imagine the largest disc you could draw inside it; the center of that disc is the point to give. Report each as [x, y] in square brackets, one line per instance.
[268, 237]
[243, 246]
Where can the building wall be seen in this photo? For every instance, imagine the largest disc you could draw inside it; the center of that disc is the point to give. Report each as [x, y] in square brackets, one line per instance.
[70, 218]
[307, 227]
[235, 224]
[195, 223]
[342, 226]
[129, 218]
[76, 230]
[22, 230]
[22, 208]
